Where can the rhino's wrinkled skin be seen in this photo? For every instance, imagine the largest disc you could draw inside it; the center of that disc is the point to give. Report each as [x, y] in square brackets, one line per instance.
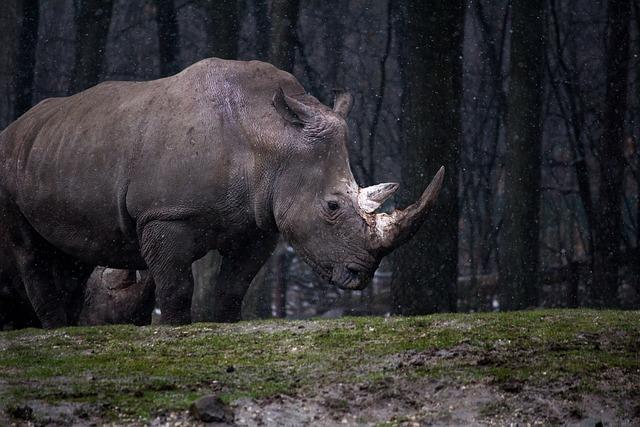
[223, 155]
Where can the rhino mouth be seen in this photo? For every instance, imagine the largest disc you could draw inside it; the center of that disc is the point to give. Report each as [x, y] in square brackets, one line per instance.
[350, 277]
[346, 276]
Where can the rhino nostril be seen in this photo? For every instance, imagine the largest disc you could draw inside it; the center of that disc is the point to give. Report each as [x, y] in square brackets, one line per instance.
[353, 272]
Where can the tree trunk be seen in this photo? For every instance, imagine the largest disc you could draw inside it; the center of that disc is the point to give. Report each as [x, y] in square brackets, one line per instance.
[608, 232]
[223, 28]
[205, 272]
[284, 21]
[92, 19]
[270, 286]
[26, 56]
[262, 28]
[426, 268]
[257, 301]
[222, 40]
[168, 37]
[519, 261]
[8, 50]
[279, 291]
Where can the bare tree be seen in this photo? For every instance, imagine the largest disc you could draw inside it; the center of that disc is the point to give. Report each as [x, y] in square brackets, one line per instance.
[26, 60]
[519, 246]
[282, 45]
[8, 50]
[222, 28]
[608, 230]
[168, 37]
[262, 29]
[569, 113]
[427, 266]
[92, 19]
[282, 40]
[484, 109]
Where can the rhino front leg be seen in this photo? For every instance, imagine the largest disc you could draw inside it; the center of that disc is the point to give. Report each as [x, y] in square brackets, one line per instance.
[237, 270]
[169, 248]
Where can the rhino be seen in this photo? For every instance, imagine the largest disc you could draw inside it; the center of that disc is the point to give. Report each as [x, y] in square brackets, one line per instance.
[152, 175]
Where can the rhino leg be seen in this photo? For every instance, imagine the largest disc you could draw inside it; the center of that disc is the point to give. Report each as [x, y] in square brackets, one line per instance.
[15, 308]
[145, 301]
[53, 281]
[169, 248]
[237, 270]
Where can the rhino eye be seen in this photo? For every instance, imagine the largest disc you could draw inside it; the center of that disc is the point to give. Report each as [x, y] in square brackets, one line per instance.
[333, 206]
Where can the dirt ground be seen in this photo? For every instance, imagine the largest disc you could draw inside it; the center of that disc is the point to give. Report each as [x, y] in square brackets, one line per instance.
[391, 402]
[395, 400]
[452, 371]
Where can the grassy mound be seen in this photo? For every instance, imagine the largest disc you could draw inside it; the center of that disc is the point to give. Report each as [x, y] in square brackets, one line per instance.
[536, 366]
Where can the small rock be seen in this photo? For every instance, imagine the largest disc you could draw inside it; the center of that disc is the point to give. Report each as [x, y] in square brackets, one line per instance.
[445, 354]
[211, 409]
[512, 387]
[591, 422]
[23, 412]
[484, 361]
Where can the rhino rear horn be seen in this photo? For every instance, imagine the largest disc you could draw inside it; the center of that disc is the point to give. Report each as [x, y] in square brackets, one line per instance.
[370, 198]
[292, 110]
[342, 102]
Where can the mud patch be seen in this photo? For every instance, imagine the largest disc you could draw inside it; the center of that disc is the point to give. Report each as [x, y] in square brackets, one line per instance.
[289, 326]
[426, 402]
[388, 401]
[38, 413]
[462, 354]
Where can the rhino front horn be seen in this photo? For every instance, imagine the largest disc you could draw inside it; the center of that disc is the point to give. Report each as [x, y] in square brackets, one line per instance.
[392, 230]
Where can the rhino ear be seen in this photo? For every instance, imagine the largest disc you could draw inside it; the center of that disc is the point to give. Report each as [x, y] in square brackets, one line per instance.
[342, 102]
[293, 111]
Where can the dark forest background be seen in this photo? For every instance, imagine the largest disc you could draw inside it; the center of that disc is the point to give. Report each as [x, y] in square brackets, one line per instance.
[531, 105]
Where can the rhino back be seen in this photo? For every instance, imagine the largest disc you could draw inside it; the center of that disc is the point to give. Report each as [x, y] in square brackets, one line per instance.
[84, 169]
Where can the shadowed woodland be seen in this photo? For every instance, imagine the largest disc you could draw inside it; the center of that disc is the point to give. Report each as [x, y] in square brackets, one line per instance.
[531, 106]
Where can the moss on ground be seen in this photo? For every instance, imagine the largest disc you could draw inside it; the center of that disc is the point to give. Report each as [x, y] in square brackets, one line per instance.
[133, 373]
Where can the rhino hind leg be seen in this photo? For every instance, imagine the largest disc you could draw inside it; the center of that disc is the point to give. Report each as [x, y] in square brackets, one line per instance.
[169, 248]
[15, 309]
[53, 281]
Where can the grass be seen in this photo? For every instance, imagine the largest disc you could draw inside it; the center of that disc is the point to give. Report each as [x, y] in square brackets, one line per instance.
[133, 373]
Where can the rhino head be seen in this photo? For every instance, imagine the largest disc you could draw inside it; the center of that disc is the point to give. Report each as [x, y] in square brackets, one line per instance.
[329, 220]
